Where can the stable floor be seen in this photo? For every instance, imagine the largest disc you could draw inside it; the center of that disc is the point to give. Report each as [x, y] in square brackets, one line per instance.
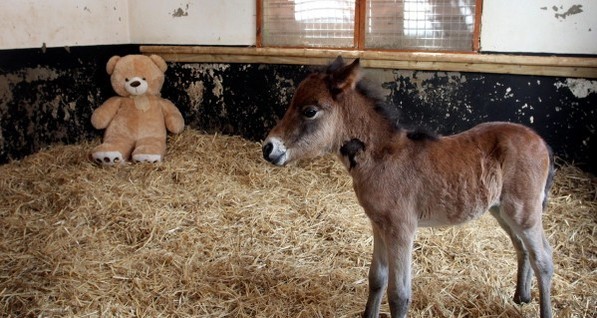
[216, 231]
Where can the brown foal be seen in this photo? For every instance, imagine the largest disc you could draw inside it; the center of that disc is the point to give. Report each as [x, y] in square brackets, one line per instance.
[406, 179]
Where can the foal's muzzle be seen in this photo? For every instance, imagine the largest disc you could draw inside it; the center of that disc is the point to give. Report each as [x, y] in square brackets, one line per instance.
[274, 151]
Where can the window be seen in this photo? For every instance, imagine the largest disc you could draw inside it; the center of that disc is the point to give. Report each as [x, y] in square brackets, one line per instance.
[309, 23]
[436, 25]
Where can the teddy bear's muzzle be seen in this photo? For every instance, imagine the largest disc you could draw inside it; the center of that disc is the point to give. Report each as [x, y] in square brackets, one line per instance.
[136, 86]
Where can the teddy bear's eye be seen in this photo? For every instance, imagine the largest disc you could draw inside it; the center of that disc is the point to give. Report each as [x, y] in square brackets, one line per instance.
[144, 79]
[126, 79]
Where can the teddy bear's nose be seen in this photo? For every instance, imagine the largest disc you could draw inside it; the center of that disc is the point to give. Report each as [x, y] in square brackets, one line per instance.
[135, 83]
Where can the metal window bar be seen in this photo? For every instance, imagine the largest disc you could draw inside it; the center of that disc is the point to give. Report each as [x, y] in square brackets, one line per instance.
[420, 24]
[308, 23]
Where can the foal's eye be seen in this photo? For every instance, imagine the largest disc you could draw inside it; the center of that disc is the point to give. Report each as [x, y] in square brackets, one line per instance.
[309, 112]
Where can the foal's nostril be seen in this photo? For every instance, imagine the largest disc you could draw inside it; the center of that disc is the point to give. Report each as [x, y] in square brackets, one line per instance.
[267, 150]
[135, 83]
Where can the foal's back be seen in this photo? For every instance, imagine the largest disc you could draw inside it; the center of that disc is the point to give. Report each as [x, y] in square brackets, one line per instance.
[457, 178]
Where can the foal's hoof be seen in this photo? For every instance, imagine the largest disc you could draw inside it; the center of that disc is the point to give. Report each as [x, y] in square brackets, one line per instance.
[522, 299]
[381, 315]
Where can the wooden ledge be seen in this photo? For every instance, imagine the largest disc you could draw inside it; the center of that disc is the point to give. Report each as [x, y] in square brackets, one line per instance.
[454, 62]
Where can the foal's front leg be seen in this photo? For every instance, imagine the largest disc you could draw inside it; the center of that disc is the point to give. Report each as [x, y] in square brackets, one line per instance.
[393, 249]
[378, 275]
[399, 242]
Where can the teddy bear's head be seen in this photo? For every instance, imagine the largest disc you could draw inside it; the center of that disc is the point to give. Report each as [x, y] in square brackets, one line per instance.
[134, 75]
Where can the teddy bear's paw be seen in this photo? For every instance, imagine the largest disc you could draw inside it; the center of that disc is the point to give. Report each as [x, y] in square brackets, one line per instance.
[140, 158]
[107, 158]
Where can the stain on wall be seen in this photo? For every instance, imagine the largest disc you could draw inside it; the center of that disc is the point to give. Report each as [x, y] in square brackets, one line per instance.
[48, 98]
[180, 12]
[240, 99]
[575, 9]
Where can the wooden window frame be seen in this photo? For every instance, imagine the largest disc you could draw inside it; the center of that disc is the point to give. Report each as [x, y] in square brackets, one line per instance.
[359, 31]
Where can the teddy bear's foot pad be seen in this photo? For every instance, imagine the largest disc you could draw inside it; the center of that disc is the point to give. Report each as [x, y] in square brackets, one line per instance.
[107, 158]
[140, 158]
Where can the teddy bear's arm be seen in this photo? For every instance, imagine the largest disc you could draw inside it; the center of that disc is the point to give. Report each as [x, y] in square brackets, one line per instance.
[172, 116]
[103, 115]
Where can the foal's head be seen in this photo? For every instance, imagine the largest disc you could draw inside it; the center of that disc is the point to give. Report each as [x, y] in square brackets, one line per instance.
[313, 124]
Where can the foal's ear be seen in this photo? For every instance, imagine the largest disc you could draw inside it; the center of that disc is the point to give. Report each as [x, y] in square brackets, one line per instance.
[335, 65]
[345, 78]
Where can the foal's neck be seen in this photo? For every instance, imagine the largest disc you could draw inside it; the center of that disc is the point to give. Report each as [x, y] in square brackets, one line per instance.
[367, 133]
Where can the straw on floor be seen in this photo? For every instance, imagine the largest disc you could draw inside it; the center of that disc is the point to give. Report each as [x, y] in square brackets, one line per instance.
[214, 231]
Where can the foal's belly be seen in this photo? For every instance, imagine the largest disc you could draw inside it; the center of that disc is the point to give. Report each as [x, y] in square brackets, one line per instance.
[432, 196]
[442, 219]
[429, 209]
[457, 205]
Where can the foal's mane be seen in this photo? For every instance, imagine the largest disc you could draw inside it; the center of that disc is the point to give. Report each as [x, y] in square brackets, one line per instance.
[388, 111]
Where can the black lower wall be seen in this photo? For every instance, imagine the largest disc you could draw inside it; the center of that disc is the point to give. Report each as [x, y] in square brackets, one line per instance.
[48, 97]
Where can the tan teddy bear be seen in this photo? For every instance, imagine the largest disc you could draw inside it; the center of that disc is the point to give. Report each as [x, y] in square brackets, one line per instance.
[137, 119]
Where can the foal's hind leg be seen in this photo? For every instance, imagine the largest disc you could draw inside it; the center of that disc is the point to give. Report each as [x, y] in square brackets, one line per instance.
[542, 262]
[530, 231]
[523, 278]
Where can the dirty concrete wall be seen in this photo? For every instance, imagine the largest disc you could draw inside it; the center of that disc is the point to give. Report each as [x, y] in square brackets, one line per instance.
[562, 110]
[48, 98]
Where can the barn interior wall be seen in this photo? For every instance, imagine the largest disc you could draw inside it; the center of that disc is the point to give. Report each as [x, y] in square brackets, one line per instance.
[48, 97]
[531, 26]
[52, 75]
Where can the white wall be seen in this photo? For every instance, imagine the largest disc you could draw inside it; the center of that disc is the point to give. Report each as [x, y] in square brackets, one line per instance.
[532, 26]
[200, 22]
[539, 26]
[31, 23]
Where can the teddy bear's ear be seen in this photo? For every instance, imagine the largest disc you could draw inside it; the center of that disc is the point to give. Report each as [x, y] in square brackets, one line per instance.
[159, 61]
[111, 64]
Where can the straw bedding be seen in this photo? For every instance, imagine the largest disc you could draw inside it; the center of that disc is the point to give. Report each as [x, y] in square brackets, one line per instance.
[215, 231]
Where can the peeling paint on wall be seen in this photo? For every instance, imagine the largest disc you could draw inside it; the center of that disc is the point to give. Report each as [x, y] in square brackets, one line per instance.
[205, 68]
[285, 87]
[5, 90]
[218, 87]
[579, 87]
[195, 92]
[449, 103]
[9, 82]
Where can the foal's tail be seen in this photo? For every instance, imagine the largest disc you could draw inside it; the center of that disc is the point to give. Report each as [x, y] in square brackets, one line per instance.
[550, 176]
